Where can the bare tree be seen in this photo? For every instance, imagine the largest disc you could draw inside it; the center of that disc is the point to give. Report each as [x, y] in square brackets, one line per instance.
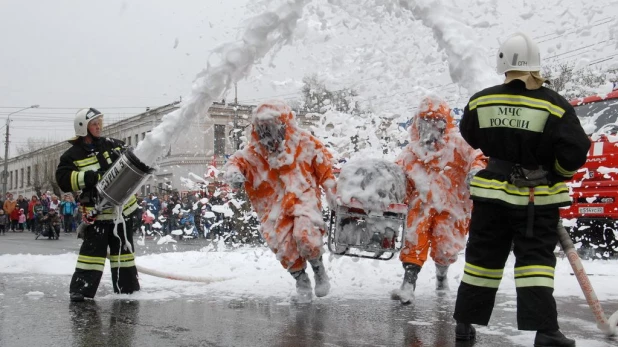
[317, 98]
[44, 176]
[577, 83]
[32, 145]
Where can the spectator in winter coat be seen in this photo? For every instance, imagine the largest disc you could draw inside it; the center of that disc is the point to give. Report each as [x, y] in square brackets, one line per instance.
[67, 209]
[31, 214]
[154, 205]
[186, 221]
[282, 169]
[9, 206]
[147, 219]
[22, 204]
[45, 199]
[3, 222]
[22, 220]
[14, 217]
[54, 203]
[39, 212]
[436, 163]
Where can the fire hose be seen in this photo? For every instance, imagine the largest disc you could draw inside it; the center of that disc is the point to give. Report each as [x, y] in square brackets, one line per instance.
[177, 277]
[606, 325]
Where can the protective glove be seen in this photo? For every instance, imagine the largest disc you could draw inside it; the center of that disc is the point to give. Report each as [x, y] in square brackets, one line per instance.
[235, 179]
[471, 175]
[91, 178]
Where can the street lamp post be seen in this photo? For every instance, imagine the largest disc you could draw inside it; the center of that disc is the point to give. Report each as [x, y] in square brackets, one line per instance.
[5, 171]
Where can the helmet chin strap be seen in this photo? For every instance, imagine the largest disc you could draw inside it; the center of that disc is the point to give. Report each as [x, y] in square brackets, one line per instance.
[90, 138]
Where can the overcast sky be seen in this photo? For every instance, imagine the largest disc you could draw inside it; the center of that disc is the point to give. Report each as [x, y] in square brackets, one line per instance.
[122, 56]
[68, 54]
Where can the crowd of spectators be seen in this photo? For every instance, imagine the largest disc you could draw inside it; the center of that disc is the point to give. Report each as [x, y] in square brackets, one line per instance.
[19, 215]
[191, 212]
[202, 213]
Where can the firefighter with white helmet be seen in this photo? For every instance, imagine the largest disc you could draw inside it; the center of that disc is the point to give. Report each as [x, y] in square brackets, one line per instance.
[80, 169]
[534, 142]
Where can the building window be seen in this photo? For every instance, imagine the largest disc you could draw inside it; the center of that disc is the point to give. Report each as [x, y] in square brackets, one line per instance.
[29, 176]
[21, 185]
[36, 174]
[136, 139]
[143, 136]
[16, 179]
[160, 185]
[219, 139]
[129, 141]
[11, 180]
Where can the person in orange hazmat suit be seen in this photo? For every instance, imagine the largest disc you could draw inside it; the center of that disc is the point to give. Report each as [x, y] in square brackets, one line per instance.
[282, 169]
[438, 166]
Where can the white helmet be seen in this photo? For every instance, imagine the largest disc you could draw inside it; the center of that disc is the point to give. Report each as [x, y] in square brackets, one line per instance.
[82, 118]
[518, 53]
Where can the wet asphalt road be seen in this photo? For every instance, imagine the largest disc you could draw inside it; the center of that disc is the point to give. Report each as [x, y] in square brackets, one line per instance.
[50, 320]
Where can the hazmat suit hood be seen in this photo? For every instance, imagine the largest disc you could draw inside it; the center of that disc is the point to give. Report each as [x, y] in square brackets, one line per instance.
[273, 126]
[432, 124]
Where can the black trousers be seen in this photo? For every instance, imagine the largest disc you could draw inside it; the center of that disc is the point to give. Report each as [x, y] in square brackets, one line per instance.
[68, 223]
[493, 230]
[91, 260]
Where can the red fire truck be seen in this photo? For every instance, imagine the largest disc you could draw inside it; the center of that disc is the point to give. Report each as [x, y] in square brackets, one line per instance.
[592, 220]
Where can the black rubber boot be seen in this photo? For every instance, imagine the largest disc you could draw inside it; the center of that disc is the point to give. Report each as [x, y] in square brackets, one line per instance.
[552, 339]
[77, 297]
[465, 332]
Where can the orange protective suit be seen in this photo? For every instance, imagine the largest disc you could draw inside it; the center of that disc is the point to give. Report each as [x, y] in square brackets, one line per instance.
[437, 193]
[284, 186]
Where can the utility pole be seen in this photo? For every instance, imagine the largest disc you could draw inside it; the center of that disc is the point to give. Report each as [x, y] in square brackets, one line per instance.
[5, 171]
[236, 135]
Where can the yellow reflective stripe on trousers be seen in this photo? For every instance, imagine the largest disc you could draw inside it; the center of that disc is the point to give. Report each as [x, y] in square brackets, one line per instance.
[483, 272]
[116, 264]
[534, 282]
[534, 270]
[93, 260]
[517, 100]
[481, 281]
[121, 257]
[87, 266]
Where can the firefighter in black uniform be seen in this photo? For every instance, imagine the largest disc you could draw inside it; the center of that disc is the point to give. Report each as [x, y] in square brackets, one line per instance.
[534, 142]
[80, 168]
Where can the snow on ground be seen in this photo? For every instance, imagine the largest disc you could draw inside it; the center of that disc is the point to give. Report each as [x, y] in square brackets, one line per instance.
[255, 273]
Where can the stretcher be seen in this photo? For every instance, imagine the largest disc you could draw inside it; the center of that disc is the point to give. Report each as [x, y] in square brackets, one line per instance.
[356, 231]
